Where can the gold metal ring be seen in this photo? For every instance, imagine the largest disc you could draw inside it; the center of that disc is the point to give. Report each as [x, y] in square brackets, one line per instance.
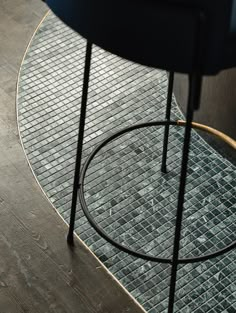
[230, 141]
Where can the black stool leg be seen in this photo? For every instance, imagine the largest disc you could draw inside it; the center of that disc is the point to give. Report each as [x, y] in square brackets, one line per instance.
[193, 103]
[167, 127]
[70, 237]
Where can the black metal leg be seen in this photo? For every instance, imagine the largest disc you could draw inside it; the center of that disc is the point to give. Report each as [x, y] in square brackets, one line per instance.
[70, 237]
[193, 102]
[167, 127]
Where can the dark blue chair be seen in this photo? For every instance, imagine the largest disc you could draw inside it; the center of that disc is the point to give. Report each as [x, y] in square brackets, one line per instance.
[149, 31]
[195, 37]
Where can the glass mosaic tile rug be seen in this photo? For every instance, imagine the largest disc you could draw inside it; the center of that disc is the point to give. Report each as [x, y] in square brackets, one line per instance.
[126, 191]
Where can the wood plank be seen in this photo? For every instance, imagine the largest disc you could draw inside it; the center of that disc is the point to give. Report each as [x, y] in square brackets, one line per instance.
[7, 301]
[43, 261]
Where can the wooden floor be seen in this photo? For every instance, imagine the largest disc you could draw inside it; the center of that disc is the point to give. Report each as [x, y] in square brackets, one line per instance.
[38, 272]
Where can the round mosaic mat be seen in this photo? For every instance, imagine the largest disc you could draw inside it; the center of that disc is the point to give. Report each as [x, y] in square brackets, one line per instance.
[125, 189]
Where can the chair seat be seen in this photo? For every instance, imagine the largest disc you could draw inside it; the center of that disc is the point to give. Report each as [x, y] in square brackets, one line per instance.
[160, 33]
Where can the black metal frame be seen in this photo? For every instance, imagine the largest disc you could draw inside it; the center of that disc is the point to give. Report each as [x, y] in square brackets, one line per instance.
[100, 230]
[167, 127]
[195, 80]
[70, 237]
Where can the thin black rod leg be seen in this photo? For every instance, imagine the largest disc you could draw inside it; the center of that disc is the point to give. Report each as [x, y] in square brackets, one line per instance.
[193, 101]
[70, 237]
[167, 117]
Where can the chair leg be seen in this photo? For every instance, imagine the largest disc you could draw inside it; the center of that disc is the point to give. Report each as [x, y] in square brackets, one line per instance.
[193, 102]
[167, 117]
[70, 236]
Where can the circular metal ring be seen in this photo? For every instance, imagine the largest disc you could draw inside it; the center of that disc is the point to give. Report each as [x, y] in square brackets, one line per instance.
[101, 232]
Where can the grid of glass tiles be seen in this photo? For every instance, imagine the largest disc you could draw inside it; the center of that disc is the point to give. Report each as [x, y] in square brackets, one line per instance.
[125, 190]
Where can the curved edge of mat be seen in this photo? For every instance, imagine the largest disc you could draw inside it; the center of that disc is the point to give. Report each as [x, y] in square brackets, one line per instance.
[35, 177]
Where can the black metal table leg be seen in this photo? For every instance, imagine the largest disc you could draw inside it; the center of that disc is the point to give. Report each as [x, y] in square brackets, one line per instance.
[194, 94]
[70, 237]
[193, 101]
[167, 117]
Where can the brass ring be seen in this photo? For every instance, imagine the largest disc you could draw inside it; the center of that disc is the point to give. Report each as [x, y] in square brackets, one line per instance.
[230, 141]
